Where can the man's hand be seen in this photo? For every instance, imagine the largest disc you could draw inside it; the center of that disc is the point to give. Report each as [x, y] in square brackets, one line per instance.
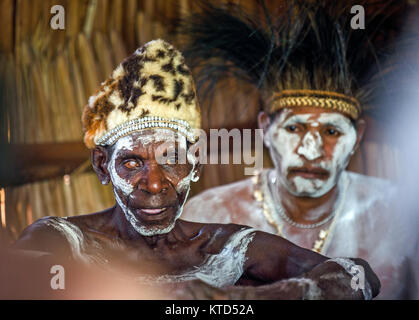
[330, 280]
[335, 278]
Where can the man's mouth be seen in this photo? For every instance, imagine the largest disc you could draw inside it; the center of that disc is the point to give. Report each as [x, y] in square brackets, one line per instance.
[310, 173]
[151, 211]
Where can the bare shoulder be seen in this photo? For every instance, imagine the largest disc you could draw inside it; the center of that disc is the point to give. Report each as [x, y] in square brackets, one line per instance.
[98, 221]
[62, 235]
[379, 207]
[368, 188]
[44, 235]
[373, 198]
[241, 189]
[216, 205]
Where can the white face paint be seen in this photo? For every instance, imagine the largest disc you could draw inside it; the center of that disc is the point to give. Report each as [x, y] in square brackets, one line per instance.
[125, 143]
[123, 186]
[312, 146]
[291, 150]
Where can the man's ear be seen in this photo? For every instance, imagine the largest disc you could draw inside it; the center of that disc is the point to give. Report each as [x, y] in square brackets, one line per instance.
[360, 130]
[264, 121]
[99, 158]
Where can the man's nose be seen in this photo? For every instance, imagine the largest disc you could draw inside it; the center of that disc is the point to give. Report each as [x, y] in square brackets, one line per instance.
[155, 181]
[311, 146]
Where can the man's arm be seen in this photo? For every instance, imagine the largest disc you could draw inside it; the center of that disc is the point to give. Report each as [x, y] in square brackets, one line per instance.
[272, 259]
[328, 280]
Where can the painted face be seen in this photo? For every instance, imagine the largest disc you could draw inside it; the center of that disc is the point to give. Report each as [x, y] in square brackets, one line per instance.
[310, 148]
[150, 184]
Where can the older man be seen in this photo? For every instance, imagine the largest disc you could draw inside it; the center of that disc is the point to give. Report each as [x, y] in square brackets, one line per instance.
[146, 110]
[312, 69]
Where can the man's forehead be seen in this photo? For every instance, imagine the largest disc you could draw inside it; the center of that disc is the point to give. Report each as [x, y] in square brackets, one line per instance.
[158, 135]
[144, 138]
[311, 114]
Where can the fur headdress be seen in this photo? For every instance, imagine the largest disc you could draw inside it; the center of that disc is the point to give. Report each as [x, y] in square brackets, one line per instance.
[153, 88]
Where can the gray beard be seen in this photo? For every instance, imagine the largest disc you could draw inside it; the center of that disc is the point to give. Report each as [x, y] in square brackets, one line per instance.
[148, 231]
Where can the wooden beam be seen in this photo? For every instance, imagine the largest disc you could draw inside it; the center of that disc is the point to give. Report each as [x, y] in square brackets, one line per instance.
[26, 163]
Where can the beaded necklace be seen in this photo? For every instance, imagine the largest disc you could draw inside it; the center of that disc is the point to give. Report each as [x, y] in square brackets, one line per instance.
[263, 194]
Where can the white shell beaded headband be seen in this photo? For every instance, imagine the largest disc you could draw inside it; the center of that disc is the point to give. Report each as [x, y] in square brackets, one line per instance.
[181, 126]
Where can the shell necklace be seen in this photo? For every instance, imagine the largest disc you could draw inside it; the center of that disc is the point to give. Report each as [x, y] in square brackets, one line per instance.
[263, 194]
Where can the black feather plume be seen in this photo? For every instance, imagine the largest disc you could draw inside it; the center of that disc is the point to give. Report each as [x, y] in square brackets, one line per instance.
[310, 45]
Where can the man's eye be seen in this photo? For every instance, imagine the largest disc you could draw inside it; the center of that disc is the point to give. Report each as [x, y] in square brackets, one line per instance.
[171, 156]
[292, 128]
[332, 132]
[131, 164]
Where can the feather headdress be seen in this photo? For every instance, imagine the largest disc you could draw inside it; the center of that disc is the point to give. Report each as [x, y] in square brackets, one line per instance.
[308, 55]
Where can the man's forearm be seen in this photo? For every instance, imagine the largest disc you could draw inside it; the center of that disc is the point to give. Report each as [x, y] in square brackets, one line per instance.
[332, 279]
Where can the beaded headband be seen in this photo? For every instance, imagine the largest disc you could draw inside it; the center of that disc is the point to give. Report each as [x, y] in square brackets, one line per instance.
[316, 98]
[139, 124]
